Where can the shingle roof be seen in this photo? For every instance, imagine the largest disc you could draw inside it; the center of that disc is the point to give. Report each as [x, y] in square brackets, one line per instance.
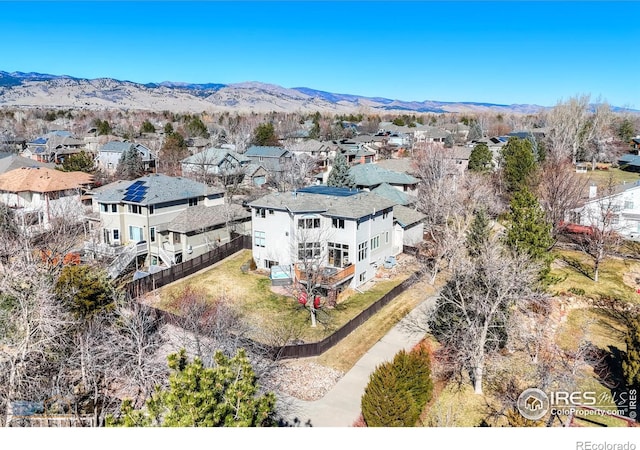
[206, 217]
[387, 191]
[352, 207]
[373, 175]
[160, 188]
[404, 165]
[266, 152]
[123, 146]
[11, 161]
[42, 179]
[406, 216]
[214, 156]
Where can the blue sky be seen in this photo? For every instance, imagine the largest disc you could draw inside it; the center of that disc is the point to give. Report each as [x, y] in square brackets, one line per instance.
[499, 52]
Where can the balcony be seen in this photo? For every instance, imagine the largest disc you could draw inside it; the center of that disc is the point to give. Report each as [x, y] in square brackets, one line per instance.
[327, 277]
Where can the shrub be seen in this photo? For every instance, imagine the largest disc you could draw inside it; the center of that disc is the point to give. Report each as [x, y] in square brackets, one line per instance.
[399, 390]
[576, 291]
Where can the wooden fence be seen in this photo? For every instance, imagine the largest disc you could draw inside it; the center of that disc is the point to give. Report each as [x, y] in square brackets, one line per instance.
[156, 280]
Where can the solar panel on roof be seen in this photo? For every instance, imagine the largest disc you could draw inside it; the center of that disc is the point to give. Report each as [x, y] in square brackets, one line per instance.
[329, 190]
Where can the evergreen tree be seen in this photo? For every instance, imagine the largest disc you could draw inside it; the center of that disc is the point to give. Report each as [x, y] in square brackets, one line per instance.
[265, 134]
[196, 127]
[103, 127]
[225, 395]
[519, 163]
[168, 128]
[631, 359]
[398, 391]
[449, 140]
[475, 132]
[528, 232]
[130, 165]
[79, 162]
[481, 159]
[147, 127]
[340, 175]
[85, 290]
[626, 130]
[478, 234]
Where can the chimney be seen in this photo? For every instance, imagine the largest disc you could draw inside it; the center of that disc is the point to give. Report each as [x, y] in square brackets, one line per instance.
[593, 190]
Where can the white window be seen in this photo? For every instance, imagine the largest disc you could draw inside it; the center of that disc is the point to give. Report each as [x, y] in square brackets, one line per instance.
[338, 254]
[260, 212]
[337, 223]
[308, 223]
[116, 234]
[152, 234]
[193, 202]
[362, 251]
[135, 209]
[308, 250]
[628, 205]
[104, 207]
[114, 208]
[259, 238]
[375, 242]
[151, 209]
[362, 277]
[386, 237]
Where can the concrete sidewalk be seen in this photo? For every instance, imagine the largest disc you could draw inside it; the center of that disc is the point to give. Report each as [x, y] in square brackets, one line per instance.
[340, 407]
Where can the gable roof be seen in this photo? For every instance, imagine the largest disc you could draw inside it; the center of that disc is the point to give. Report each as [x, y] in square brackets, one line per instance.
[387, 191]
[11, 161]
[214, 156]
[123, 146]
[266, 152]
[373, 175]
[154, 189]
[42, 179]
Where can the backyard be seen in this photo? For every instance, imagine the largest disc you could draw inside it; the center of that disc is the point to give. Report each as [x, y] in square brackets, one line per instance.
[267, 308]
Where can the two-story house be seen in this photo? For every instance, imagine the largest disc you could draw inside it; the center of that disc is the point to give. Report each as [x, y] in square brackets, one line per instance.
[53, 147]
[41, 194]
[173, 219]
[224, 165]
[273, 159]
[346, 233]
[110, 153]
[618, 210]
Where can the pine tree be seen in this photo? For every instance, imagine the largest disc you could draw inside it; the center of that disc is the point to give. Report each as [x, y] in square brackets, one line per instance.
[79, 162]
[130, 165]
[481, 159]
[519, 163]
[340, 175]
[631, 359]
[478, 234]
[528, 231]
[147, 127]
[85, 290]
[265, 134]
[475, 132]
[225, 395]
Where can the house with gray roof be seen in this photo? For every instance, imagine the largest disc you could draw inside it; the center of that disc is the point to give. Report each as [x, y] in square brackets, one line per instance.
[10, 161]
[347, 234]
[370, 176]
[53, 147]
[110, 153]
[171, 219]
[219, 164]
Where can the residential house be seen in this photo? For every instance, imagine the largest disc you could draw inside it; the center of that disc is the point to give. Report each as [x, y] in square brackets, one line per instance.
[273, 159]
[635, 143]
[174, 219]
[11, 161]
[53, 147]
[621, 208]
[356, 152]
[346, 234]
[41, 194]
[395, 195]
[321, 152]
[110, 153]
[216, 163]
[408, 227]
[11, 143]
[370, 176]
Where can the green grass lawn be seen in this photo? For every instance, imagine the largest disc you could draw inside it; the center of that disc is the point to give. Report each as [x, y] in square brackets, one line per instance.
[251, 294]
[574, 270]
[601, 177]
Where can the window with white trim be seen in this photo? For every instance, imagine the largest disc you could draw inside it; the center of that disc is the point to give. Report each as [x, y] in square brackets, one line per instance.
[308, 223]
[259, 238]
[337, 223]
[308, 250]
[628, 205]
[375, 242]
[363, 251]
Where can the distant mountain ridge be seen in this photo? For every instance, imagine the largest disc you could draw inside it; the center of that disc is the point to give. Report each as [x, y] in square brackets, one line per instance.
[64, 91]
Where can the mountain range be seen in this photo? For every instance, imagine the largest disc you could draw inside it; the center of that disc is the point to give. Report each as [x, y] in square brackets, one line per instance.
[63, 91]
